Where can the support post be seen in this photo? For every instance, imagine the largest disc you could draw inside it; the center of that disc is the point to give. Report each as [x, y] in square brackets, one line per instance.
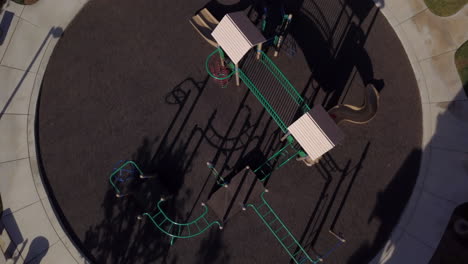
[282, 35]
[285, 136]
[259, 49]
[308, 160]
[221, 56]
[237, 75]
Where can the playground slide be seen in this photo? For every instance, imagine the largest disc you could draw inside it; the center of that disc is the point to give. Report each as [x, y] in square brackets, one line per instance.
[358, 115]
[204, 23]
[209, 18]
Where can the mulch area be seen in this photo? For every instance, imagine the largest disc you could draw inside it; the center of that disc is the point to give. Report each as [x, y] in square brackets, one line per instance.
[127, 82]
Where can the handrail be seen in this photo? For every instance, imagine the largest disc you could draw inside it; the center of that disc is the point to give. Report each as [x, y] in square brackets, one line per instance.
[271, 66]
[120, 168]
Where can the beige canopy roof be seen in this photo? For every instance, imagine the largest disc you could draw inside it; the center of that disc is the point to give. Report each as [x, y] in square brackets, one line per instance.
[316, 132]
[236, 35]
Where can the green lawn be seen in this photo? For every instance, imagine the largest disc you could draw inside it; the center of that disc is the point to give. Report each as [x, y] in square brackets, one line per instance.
[445, 7]
[461, 60]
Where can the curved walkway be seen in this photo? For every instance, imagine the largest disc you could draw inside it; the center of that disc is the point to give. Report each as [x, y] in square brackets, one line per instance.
[430, 42]
[29, 224]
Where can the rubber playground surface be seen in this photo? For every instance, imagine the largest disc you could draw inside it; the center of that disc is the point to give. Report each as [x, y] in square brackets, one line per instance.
[127, 82]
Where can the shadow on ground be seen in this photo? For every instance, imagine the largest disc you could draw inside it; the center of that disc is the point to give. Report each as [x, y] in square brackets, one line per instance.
[197, 122]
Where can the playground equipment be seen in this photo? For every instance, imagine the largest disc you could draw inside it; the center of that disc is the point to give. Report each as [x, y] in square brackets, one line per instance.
[160, 219]
[289, 151]
[315, 132]
[275, 32]
[358, 115]
[180, 230]
[220, 72]
[219, 179]
[284, 236]
[121, 174]
[282, 33]
[204, 23]
[281, 232]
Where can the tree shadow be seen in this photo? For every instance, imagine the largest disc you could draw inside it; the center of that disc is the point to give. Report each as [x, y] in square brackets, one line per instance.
[390, 206]
[212, 249]
[453, 246]
[121, 237]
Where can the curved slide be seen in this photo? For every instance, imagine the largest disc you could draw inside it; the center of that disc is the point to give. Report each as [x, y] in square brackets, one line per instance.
[204, 23]
[358, 115]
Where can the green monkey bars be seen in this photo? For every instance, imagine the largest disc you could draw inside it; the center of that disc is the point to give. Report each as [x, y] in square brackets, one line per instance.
[180, 230]
[281, 232]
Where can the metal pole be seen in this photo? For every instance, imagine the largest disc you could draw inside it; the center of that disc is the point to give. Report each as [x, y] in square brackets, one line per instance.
[221, 56]
[259, 49]
[237, 75]
[281, 36]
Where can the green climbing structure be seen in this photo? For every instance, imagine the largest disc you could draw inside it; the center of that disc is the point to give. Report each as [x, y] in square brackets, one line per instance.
[289, 151]
[181, 230]
[281, 232]
[259, 91]
[116, 172]
[266, 93]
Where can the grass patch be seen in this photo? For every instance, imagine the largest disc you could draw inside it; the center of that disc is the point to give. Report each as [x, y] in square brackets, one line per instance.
[445, 7]
[461, 61]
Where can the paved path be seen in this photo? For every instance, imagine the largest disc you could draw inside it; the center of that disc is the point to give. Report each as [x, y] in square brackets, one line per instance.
[29, 224]
[430, 42]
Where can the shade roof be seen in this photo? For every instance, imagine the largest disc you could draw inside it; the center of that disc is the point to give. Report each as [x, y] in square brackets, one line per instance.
[316, 132]
[236, 35]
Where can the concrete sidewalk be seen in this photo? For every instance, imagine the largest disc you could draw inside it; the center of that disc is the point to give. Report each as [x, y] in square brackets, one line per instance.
[430, 42]
[31, 232]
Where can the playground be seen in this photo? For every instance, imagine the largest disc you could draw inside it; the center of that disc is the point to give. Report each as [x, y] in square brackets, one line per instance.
[158, 147]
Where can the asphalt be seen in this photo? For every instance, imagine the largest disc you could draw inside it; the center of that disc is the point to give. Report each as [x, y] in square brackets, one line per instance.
[127, 82]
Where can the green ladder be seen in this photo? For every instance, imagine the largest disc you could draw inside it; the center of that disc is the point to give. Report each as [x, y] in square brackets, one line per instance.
[180, 230]
[282, 233]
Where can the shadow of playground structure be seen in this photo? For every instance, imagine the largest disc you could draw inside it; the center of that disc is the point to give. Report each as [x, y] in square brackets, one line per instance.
[332, 35]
